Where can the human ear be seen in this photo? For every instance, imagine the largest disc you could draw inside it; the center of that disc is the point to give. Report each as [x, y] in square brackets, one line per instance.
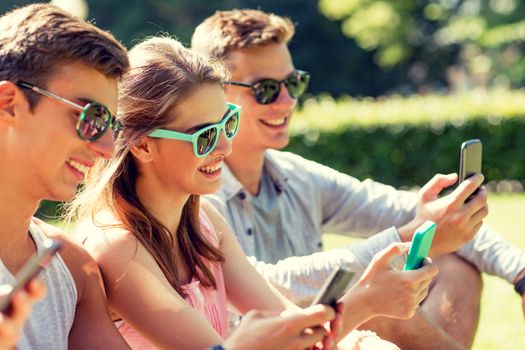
[8, 94]
[143, 150]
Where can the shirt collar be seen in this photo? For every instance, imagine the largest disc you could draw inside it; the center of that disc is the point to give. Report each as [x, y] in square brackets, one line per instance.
[231, 186]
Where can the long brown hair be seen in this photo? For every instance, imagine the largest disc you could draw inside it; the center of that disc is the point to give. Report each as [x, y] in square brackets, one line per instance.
[162, 74]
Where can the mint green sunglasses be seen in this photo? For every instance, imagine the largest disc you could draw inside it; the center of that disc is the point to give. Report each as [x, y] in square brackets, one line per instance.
[205, 139]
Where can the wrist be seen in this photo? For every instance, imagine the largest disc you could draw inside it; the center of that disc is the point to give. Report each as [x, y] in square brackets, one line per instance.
[519, 276]
[519, 283]
[407, 232]
[359, 307]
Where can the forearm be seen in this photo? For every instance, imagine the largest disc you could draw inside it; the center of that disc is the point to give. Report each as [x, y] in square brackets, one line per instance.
[300, 278]
[491, 254]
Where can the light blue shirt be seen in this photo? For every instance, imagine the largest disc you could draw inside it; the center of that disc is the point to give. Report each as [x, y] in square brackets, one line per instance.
[280, 229]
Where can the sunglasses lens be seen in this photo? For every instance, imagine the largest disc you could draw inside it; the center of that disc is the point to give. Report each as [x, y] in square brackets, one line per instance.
[231, 126]
[93, 122]
[297, 84]
[266, 91]
[206, 141]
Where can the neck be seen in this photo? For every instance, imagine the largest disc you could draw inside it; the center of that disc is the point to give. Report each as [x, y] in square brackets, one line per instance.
[247, 166]
[165, 204]
[16, 210]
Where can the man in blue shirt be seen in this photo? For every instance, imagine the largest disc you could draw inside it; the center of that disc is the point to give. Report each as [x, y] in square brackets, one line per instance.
[279, 203]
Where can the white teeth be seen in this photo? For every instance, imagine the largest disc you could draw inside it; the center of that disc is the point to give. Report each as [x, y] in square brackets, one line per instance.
[279, 121]
[80, 167]
[212, 168]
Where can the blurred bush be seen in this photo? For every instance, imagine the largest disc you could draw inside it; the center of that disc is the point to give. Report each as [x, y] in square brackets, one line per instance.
[405, 141]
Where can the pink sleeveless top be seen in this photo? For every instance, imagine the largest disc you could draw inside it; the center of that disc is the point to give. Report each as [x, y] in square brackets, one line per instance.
[211, 303]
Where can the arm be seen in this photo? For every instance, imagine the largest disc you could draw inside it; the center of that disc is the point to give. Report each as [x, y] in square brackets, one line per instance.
[143, 297]
[383, 291]
[261, 330]
[246, 289]
[299, 278]
[92, 327]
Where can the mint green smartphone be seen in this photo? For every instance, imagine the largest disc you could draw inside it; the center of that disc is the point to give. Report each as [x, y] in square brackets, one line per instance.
[420, 247]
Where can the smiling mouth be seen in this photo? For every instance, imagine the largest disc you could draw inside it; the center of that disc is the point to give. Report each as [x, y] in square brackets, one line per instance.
[211, 169]
[78, 166]
[275, 122]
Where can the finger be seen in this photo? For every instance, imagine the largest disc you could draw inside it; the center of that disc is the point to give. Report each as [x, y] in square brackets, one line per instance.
[432, 188]
[9, 331]
[36, 289]
[313, 316]
[424, 273]
[21, 306]
[422, 295]
[383, 258]
[477, 203]
[466, 188]
[310, 338]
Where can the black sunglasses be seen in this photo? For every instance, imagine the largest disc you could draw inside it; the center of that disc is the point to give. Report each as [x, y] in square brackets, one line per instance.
[267, 90]
[94, 119]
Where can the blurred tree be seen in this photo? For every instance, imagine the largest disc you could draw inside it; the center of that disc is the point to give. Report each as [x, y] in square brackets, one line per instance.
[461, 43]
[338, 65]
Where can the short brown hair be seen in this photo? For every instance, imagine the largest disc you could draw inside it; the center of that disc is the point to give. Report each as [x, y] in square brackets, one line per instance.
[227, 31]
[35, 39]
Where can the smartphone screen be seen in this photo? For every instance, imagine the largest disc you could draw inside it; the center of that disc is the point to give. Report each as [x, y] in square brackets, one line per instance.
[334, 287]
[31, 269]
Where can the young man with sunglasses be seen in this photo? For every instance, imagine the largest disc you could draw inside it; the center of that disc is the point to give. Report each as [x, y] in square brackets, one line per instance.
[58, 94]
[279, 203]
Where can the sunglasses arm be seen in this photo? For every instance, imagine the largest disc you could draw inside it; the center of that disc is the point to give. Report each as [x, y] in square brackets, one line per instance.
[49, 94]
[237, 83]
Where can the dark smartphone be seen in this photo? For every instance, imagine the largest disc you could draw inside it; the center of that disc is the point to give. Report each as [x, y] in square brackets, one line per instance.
[31, 269]
[470, 161]
[334, 287]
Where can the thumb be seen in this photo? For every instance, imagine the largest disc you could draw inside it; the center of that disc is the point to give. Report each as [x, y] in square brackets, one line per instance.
[384, 257]
[432, 188]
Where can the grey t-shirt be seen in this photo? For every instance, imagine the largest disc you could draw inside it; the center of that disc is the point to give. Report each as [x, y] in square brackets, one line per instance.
[51, 319]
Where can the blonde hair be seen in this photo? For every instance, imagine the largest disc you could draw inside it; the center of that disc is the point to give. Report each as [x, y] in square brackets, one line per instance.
[163, 72]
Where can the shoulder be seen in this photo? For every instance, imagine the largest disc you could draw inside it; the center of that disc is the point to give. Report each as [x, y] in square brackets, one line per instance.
[107, 241]
[79, 262]
[293, 164]
[213, 218]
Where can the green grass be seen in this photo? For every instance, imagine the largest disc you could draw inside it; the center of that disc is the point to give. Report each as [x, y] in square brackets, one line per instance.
[502, 324]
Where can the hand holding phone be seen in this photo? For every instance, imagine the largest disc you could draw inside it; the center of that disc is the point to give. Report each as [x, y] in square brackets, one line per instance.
[31, 269]
[420, 247]
[334, 287]
[470, 161]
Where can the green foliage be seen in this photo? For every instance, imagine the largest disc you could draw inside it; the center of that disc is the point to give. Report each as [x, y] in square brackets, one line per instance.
[404, 142]
[484, 38]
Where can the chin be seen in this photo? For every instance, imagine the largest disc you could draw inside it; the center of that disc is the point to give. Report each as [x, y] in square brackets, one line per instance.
[62, 195]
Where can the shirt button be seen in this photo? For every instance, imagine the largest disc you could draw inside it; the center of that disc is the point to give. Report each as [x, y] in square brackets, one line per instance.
[242, 196]
[249, 232]
[320, 244]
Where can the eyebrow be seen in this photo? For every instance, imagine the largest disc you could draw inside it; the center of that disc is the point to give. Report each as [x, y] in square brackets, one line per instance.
[200, 126]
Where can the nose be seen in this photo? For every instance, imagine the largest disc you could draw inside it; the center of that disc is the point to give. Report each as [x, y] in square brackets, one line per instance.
[103, 147]
[284, 99]
[224, 146]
